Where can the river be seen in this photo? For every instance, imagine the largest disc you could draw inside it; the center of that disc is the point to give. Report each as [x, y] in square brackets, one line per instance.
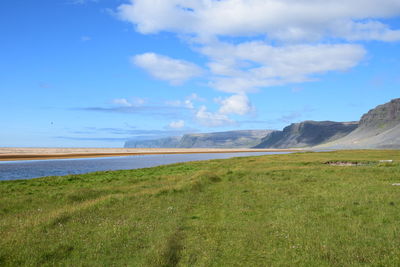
[14, 170]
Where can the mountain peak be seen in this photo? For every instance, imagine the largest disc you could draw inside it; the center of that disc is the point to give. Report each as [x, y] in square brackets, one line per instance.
[378, 128]
[383, 116]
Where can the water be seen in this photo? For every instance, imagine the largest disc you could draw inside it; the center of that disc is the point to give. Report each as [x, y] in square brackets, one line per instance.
[14, 170]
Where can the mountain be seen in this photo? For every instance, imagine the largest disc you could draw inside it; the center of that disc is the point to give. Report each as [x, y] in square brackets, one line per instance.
[379, 128]
[168, 142]
[307, 134]
[230, 139]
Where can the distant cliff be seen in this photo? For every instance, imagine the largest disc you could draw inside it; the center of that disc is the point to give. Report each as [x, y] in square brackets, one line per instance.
[307, 134]
[382, 118]
[379, 128]
[168, 142]
[230, 139]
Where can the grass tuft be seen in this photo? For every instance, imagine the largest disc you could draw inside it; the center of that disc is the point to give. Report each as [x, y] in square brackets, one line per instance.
[56, 254]
[60, 220]
[84, 194]
[171, 255]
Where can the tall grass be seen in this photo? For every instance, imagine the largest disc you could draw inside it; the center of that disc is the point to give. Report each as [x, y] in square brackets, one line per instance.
[277, 210]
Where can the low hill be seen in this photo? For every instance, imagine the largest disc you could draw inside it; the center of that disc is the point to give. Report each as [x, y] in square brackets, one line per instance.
[306, 134]
[229, 139]
[379, 128]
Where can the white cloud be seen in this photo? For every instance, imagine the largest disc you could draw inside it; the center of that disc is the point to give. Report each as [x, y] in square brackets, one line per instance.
[210, 119]
[246, 66]
[122, 102]
[286, 20]
[134, 102]
[165, 68]
[177, 124]
[195, 97]
[179, 103]
[370, 30]
[286, 41]
[236, 104]
[188, 102]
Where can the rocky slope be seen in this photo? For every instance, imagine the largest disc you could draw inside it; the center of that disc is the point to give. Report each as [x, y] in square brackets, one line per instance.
[379, 128]
[307, 134]
[230, 139]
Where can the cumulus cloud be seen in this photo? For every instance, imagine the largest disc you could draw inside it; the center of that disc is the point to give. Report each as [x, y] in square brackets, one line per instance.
[177, 124]
[211, 119]
[161, 67]
[280, 42]
[285, 20]
[236, 104]
[246, 66]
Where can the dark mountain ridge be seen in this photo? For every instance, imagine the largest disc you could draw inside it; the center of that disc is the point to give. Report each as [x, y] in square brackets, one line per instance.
[306, 134]
[383, 116]
[378, 128]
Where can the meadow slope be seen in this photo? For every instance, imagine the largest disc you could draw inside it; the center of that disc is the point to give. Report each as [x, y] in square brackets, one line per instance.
[276, 210]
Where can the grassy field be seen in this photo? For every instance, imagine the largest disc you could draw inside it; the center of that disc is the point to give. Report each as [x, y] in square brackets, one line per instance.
[278, 210]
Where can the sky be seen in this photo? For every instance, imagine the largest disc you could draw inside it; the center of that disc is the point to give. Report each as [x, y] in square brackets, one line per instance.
[95, 73]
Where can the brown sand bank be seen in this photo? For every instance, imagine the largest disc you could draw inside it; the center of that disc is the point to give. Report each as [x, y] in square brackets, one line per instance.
[10, 154]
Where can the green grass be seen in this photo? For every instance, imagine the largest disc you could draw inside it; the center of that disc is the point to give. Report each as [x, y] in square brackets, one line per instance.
[278, 210]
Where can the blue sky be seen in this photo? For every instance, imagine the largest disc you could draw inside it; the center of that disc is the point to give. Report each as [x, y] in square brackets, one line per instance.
[96, 73]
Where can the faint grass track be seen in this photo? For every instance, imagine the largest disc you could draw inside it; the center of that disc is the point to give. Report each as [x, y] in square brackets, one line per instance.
[172, 253]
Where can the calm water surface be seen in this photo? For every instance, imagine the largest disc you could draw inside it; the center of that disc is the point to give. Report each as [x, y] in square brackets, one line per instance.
[13, 170]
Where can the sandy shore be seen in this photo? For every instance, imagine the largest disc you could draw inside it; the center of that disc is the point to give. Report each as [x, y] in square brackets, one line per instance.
[16, 153]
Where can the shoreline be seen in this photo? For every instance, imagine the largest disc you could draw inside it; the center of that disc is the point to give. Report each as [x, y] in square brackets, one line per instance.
[16, 154]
